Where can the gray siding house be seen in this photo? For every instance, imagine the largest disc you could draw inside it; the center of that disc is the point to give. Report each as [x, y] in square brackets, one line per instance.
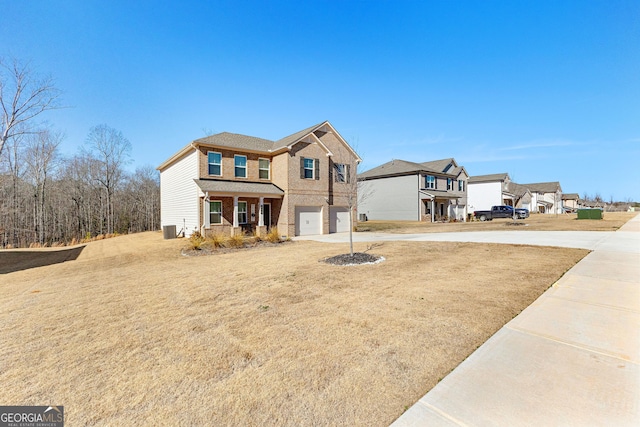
[408, 191]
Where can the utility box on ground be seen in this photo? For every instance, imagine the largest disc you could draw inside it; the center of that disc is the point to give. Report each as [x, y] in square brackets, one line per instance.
[589, 213]
[169, 231]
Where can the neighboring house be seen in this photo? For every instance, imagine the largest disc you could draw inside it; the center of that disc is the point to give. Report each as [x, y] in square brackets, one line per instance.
[571, 201]
[546, 197]
[402, 190]
[227, 182]
[485, 191]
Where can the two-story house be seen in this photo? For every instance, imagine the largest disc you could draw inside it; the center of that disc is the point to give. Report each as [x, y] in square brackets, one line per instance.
[546, 197]
[403, 190]
[227, 183]
[485, 191]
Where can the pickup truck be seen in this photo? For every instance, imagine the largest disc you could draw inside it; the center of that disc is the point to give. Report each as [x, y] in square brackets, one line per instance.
[500, 212]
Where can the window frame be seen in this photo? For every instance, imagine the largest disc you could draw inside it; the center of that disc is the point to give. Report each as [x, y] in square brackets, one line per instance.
[211, 212]
[450, 186]
[431, 185]
[236, 167]
[337, 173]
[312, 169]
[245, 212]
[268, 169]
[210, 164]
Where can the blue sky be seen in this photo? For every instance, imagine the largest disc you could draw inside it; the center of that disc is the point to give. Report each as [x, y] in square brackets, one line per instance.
[543, 90]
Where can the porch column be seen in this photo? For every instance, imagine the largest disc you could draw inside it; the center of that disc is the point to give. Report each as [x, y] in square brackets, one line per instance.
[261, 212]
[235, 212]
[433, 209]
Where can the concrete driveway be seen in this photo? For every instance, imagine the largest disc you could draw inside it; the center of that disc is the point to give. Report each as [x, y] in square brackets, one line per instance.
[572, 358]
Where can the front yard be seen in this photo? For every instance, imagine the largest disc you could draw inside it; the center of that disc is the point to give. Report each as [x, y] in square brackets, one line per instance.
[133, 333]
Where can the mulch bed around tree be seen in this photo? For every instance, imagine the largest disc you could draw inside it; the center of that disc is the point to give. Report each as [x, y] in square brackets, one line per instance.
[358, 258]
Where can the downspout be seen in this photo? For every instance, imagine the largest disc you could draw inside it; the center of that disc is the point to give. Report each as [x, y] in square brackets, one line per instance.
[204, 213]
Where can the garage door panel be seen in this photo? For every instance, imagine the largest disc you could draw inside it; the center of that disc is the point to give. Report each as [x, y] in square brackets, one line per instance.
[339, 220]
[308, 220]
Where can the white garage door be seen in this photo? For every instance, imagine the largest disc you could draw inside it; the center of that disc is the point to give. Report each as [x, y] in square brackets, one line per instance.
[339, 220]
[308, 220]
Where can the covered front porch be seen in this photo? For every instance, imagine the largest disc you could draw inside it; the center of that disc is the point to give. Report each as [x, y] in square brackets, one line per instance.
[441, 207]
[230, 207]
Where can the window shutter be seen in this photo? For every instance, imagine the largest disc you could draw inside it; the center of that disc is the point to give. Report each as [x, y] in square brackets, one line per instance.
[348, 174]
[301, 167]
[333, 174]
[316, 162]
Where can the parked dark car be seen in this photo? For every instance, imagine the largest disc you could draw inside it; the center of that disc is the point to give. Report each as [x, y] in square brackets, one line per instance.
[502, 211]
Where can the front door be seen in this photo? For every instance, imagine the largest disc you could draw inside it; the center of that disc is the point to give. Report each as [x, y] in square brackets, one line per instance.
[266, 212]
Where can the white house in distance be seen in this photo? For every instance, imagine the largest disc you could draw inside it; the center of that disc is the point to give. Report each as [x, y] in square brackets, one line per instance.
[485, 191]
[546, 197]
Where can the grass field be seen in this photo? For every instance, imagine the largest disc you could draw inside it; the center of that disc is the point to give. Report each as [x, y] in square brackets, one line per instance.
[536, 222]
[134, 333]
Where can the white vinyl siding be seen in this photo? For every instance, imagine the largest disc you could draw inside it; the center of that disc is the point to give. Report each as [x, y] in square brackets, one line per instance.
[482, 195]
[395, 198]
[179, 194]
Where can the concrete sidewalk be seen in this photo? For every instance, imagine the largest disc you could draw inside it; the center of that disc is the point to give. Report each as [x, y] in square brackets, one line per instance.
[572, 358]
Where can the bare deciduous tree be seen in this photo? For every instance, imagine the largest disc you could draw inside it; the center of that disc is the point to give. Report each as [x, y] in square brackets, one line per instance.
[111, 150]
[40, 157]
[23, 96]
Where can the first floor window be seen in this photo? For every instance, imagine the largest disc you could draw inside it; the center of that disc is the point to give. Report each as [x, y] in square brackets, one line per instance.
[430, 182]
[242, 212]
[215, 212]
[240, 166]
[215, 163]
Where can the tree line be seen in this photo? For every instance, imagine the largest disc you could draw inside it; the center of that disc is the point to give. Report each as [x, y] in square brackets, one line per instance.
[48, 199]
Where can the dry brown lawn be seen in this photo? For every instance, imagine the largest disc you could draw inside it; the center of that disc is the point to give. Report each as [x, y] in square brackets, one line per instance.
[134, 333]
[536, 222]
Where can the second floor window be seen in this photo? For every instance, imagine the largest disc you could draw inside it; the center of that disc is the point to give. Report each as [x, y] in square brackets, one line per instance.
[449, 184]
[430, 182]
[308, 168]
[264, 168]
[215, 163]
[341, 172]
[460, 185]
[240, 166]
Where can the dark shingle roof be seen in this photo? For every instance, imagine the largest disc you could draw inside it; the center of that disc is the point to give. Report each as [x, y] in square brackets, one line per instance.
[288, 140]
[245, 142]
[489, 178]
[234, 140]
[517, 189]
[570, 196]
[440, 165]
[236, 187]
[543, 187]
[395, 167]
